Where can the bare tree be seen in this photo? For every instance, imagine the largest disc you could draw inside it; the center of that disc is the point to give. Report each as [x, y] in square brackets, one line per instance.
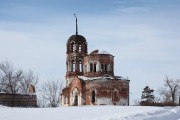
[41, 101]
[29, 78]
[51, 92]
[15, 81]
[10, 79]
[165, 94]
[170, 90]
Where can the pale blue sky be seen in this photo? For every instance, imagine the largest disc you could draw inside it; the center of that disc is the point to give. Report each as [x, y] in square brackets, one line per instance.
[143, 35]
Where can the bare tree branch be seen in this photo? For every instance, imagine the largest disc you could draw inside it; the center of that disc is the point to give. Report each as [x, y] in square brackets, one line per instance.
[15, 81]
[51, 91]
[29, 78]
[170, 90]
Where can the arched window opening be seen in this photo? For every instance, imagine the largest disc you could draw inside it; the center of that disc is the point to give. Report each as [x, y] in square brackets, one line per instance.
[72, 66]
[75, 100]
[73, 47]
[115, 96]
[102, 67]
[79, 47]
[93, 98]
[80, 66]
[105, 67]
[91, 67]
[94, 68]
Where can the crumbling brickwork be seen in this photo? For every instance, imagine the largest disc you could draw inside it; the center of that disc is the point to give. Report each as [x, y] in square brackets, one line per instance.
[111, 90]
[22, 100]
[90, 78]
[19, 100]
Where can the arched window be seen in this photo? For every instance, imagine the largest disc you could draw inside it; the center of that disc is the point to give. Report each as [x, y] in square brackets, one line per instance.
[91, 67]
[79, 47]
[102, 67]
[105, 67]
[75, 100]
[80, 66]
[73, 47]
[72, 66]
[93, 97]
[115, 96]
[94, 67]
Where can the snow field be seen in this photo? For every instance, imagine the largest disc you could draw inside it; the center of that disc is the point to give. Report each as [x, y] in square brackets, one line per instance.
[91, 113]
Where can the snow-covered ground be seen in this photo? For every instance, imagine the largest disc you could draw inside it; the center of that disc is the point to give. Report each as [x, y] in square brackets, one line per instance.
[91, 113]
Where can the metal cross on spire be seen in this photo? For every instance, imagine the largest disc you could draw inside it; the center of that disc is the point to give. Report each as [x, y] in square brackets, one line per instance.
[76, 24]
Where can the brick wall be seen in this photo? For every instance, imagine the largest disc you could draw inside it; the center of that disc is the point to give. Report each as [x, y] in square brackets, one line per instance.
[105, 89]
[19, 100]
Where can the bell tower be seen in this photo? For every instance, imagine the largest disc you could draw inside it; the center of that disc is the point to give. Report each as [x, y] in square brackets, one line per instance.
[76, 51]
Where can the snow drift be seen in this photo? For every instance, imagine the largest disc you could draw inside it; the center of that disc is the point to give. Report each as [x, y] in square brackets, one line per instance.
[91, 113]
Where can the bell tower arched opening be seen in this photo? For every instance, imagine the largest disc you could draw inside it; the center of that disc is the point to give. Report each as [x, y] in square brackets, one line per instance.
[79, 47]
[80, 66]
[93, 97]
[73, 66]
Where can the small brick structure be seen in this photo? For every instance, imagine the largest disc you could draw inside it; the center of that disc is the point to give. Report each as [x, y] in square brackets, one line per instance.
[90, 78]
[20, 100]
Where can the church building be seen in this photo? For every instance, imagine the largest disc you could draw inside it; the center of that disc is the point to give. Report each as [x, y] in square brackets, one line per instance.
[90, 78]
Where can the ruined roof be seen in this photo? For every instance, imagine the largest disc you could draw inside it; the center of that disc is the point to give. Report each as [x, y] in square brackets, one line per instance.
[102, 77]
[99, 52]
[76, 38]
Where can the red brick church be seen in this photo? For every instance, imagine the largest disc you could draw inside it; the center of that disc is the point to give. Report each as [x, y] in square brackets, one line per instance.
[90, 78]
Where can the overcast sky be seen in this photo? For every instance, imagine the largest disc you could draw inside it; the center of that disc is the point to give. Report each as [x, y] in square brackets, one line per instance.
[143, 35]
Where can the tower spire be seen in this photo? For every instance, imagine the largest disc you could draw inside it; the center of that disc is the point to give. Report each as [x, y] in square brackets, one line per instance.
[76, 24]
